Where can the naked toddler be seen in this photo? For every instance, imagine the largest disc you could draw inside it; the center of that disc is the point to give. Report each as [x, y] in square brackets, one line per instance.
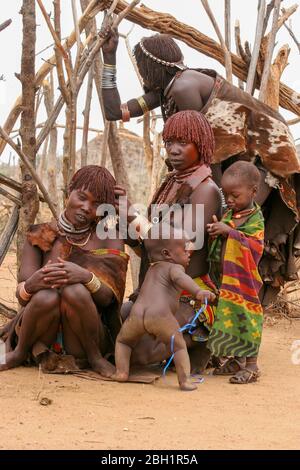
[154, 309]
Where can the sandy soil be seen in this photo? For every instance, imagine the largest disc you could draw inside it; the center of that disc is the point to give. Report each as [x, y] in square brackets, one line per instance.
[86, 414]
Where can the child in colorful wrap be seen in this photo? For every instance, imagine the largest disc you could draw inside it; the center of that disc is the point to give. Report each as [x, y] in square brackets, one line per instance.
[237, 244]
[158, 300]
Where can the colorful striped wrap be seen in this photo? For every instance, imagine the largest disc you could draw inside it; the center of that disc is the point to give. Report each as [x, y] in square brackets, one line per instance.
[239, 316]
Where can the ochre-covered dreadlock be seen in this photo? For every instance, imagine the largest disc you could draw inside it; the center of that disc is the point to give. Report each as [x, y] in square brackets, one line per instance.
[161, 46]
[96, 179]
[191, 126]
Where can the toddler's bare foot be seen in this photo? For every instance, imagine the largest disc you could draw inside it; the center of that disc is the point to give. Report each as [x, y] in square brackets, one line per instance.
[187, 386]
[120, 376]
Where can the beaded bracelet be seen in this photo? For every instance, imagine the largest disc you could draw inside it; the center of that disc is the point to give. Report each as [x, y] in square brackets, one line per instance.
[109, 76]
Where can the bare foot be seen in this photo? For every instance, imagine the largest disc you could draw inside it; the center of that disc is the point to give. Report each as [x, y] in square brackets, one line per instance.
[120, 376]
[11, 360]
[103, 367]
[187, 386]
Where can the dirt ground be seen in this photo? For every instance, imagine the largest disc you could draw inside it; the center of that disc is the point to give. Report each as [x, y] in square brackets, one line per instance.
[84, 414]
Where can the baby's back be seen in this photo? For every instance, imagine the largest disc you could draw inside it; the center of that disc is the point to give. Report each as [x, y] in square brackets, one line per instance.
[158, 293]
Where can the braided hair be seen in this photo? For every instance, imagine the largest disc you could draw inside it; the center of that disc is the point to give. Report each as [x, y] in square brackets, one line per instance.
[163, 47]
[96, 179]
[191, 126]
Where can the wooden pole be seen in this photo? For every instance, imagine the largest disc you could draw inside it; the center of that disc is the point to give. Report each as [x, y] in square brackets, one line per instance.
[256, 47]
[270, 49]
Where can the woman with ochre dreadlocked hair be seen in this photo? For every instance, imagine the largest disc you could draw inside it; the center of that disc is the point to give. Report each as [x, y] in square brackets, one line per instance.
[244, 129]
[189, 143]
[71, 285]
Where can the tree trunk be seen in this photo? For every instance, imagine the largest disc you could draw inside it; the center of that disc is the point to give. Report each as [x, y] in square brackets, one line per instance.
[27, 130]
[52, 150]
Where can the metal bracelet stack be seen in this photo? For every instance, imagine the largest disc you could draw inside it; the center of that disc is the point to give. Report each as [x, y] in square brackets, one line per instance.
[109, 76]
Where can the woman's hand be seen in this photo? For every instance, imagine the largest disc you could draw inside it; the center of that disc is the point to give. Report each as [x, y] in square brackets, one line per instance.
[71, 273]
[218, 228]
[122, 205]
[111, 44]
[39, 281]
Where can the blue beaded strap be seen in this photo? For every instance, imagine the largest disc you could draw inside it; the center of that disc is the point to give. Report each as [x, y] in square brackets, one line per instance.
[187, 327]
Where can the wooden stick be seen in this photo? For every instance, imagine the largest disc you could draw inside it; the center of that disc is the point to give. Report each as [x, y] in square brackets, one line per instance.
[227, 15]
[56, 38]
[256, 47]
[238, 46]
[8, 233]
[105, 147]
[291, 32]
[31, 169]
[10, 183]
[58, 55]
[86, 114]
[77, 33]
[5, 24]
[268, 58]
[228, 63]
[10, 196]
[292, 122]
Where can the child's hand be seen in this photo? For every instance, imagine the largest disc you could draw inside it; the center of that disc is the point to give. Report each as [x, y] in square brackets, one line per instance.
[205, 294]
[218, 228]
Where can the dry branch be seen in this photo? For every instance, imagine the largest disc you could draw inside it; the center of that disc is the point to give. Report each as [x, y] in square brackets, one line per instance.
[10, 183]
[30, 167]
[227, 56]
[291, 32]
[11, 197]
[8, 233]
[269, 54]
[86, 114]
[256, 47]
[5, 24]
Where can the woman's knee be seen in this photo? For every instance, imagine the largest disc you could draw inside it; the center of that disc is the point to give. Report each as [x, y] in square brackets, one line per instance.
[46, 299]
[75, 294]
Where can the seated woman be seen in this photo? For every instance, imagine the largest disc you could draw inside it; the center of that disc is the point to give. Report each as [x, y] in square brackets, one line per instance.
[69, 279]
[189, 143]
